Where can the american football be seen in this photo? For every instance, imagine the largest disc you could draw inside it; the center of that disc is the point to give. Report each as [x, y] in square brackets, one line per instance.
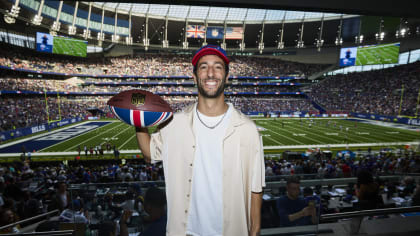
[140, 108]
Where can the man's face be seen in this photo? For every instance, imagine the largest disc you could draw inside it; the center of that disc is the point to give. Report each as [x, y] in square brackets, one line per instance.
[293, 190]
[211, 76]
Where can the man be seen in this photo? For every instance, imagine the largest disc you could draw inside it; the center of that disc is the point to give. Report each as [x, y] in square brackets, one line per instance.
[293, 210]
[212, 158]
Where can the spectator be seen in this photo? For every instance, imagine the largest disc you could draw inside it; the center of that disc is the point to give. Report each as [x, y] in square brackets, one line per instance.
[292, 209]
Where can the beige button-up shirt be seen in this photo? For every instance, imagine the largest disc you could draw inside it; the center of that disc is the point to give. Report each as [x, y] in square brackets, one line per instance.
[243, 170]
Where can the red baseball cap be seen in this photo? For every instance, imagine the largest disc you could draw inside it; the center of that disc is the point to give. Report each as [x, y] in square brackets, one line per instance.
[210, 50]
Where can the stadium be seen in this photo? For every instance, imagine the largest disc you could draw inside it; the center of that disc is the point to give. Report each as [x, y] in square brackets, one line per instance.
[333, 89]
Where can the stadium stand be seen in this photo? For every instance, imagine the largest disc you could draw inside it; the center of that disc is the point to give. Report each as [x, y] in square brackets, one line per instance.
[373, 92]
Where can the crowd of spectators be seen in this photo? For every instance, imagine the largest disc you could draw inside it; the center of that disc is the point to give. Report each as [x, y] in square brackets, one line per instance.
[37, 85]
[19, 199]
[19, 112]
[373, 92]
[320, 166]
[29, 189]
[152, 64]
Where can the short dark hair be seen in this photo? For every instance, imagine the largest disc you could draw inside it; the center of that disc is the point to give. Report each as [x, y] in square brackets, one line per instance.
[155, 197]
[364, 177]
[293, 180]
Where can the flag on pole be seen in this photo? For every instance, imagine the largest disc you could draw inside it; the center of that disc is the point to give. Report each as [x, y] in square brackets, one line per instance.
[196, 31]
[234, 32]
[215, 32]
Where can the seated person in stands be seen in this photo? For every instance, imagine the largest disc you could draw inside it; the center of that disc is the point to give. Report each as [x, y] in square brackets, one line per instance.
[416, 195]
[7, 216]
[293, 209]
[367, 191]
[155, 207]
[75, 213]
[409, 184]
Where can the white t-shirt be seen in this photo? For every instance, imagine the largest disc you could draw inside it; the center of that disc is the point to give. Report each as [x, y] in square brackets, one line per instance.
[206, 205]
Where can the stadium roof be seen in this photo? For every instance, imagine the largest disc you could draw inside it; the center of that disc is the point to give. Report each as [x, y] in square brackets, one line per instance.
[401, 8]
[213, 14]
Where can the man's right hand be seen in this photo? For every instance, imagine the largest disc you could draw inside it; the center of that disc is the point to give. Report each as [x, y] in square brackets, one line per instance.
[308, 211]
[143, 140]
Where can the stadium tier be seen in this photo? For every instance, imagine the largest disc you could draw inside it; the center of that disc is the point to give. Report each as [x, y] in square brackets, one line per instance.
[393, 91]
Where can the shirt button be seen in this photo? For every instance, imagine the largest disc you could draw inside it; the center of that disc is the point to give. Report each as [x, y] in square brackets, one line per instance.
[191, 164]
[186, 211]
[189, 180]
[188, 195]
[193, 146]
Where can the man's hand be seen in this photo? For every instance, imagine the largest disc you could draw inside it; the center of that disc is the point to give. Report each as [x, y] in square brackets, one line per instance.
[143, 140]
[309, 211]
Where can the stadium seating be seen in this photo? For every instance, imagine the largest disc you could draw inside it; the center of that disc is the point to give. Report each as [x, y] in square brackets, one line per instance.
[373, 92]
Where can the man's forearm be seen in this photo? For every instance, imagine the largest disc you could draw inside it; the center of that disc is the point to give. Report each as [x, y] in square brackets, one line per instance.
[143, 140]
[256, 201]
[295, 216]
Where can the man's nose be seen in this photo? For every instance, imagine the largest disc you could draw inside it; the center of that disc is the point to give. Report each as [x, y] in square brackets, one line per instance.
[210, 72]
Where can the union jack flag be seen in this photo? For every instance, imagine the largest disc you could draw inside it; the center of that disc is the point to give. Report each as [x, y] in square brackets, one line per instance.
[140, 118]
[196, 31]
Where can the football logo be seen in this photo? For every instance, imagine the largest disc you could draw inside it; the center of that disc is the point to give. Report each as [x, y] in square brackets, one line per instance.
[137, 99]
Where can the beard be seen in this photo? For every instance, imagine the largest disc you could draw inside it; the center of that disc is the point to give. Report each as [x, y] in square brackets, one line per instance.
[215, 94]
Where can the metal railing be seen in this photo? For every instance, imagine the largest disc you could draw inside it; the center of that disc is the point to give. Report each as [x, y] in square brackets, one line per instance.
[49, 233]
[375, 212]
[29, 219]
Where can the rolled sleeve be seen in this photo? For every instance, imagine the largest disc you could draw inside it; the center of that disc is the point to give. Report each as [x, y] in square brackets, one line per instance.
[258, 175]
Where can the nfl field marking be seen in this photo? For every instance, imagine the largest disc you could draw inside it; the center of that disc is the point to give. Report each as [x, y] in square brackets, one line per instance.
[74, 146]
[122, 145]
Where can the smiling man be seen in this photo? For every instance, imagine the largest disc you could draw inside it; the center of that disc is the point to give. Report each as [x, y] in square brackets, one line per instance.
[212, 157]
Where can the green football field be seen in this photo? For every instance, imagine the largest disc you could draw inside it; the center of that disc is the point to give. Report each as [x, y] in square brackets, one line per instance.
[276, 133]
[380, 54]
[69, 46]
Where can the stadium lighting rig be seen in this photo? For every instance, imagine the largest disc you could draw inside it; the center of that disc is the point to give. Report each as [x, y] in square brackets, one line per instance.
[381, 34]
[10, 16]
[38, 18]
[72, 30]
[129, 40]
[358, 39]
[115, 38]
[338, 41]
[403, 29]
[86, 34]
[299, 42]
[100, 36]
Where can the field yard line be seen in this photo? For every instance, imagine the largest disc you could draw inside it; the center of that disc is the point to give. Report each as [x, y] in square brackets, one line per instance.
[126, 141]
[273, 140]
[304, 130]
[292, 139]
[70, 148]
[305, 137]
[348, 133]
[384, 134]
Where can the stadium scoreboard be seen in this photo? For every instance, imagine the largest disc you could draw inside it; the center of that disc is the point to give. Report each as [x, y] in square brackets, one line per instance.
[60, 45]
[370, 55]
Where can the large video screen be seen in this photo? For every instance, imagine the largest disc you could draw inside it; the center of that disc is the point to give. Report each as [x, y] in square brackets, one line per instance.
[60, 45]
[370, 55]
